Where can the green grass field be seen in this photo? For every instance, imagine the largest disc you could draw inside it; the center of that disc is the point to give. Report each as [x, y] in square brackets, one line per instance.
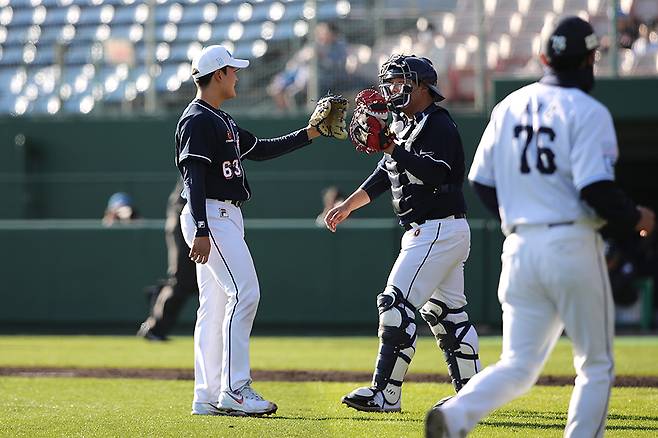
[633, 355]
[86, 407]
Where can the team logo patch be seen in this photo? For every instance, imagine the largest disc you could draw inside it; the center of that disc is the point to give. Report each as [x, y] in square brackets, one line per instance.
[223, 212]
[229, 136]
[558, 43]
[201, 224]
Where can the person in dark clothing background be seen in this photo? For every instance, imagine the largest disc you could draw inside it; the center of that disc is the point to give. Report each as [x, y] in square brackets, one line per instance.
[180, 284]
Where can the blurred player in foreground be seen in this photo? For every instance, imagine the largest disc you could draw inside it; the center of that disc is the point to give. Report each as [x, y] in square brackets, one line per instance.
[545, 164]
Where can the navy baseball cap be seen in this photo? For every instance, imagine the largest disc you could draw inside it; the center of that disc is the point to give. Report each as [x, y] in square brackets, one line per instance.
[568, 45]
[212, 58]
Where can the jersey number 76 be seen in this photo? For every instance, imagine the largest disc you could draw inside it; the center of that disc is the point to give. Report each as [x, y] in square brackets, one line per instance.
[545, 155]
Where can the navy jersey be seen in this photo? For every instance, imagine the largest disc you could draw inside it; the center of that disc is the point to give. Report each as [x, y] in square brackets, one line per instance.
[425, 170]
[210, 148]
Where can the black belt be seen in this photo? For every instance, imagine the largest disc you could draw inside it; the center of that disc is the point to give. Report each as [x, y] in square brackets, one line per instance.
[232, 202]
[411, 225]
[554, 224]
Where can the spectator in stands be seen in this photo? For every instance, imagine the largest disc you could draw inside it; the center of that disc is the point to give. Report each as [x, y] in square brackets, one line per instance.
[647, 43]
[171, 294]
[120, 209]
[329, 50]
[627, 30]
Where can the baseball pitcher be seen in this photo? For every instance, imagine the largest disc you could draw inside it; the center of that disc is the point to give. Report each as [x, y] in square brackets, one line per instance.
[210, 148]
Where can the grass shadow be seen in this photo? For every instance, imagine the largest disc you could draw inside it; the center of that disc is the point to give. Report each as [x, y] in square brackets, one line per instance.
[548, 415]
[507, 424]
[299, 417]
[632, 417]
[562, 418]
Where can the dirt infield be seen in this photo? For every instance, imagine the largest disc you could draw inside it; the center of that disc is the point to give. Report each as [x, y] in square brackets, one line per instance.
[282, 376]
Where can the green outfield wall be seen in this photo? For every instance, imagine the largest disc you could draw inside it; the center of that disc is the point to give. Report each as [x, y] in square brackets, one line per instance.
[68, 168]
[61, 269]
[77, 275]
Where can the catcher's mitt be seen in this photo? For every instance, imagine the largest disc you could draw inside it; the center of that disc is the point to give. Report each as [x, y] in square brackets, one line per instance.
[368, 130]
[329, 116]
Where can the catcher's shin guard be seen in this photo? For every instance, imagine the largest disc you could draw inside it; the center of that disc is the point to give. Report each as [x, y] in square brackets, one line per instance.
[456, 337]
[397, 334]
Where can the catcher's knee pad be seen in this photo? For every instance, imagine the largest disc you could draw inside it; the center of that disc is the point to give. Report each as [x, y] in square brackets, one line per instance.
[397, 332]
[397, 324]
[456, 337]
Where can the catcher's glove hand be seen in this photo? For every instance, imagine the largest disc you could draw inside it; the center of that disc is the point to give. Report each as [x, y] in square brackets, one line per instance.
[329, 116]
[368, 130]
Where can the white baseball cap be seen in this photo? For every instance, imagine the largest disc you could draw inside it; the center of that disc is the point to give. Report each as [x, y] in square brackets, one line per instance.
[213, 58]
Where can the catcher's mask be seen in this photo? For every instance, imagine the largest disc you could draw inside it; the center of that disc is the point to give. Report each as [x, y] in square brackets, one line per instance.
[412, 70]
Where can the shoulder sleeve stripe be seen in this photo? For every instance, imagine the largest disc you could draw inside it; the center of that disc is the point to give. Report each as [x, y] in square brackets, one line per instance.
[251, 148]
[438, 161]
[182, 157]
[214, 114]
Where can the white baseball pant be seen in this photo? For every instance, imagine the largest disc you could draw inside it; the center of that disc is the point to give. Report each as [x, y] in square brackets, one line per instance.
[553, 278]
[431, 262]
[228, 300]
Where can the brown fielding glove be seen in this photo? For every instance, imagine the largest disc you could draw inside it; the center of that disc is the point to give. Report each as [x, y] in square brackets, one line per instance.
[329, 116]
[368, 130]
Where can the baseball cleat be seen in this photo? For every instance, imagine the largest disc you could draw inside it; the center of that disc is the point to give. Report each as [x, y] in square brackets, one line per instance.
[199, 408]
[435, 425]
[369, 399]
[148, 334]
[244, 402]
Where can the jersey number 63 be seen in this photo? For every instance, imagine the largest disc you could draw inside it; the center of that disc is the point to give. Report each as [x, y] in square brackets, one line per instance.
[231, 169]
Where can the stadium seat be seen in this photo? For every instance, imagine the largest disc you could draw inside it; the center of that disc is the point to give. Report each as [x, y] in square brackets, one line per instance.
[178, 52]
[195, 13]
[92, 15]
[17, 35]
[129, 14]
[12, 55]
[45, 55]
[22, 17]
[56, 16]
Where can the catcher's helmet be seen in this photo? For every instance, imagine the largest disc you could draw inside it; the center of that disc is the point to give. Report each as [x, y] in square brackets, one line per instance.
[570, 43]
[414, 70]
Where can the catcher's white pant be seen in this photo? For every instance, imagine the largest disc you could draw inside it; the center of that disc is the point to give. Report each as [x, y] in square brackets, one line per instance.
[431, 262]
[228, 300]
[552, 278]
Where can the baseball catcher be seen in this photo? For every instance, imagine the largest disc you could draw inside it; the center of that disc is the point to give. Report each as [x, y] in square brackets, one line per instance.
[422, 165]
[329, 116]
